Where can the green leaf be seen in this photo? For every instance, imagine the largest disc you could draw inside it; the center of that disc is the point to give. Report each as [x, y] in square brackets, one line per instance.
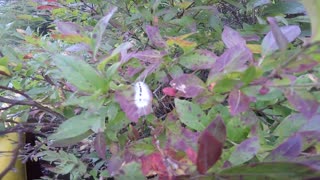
[250, 74]
[114, 125]
[76, 126]
[130, 171]
[142, 147]
[275, 170]
[289, 125]
[80, 74]
[191, 114]
[312, 7]
[70, 141]
[283, 8]
[236, 130]
[224, 85]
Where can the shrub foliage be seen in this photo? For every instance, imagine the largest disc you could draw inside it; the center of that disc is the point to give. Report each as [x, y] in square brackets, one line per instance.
[163, 89]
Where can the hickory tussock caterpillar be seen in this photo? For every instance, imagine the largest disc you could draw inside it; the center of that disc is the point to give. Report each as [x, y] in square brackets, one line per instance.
[142, 96]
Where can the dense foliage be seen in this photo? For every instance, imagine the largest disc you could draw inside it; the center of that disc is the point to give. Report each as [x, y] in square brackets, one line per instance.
[163, 89]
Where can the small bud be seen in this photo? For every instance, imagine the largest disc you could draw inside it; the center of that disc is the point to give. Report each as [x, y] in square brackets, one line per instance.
[264, 90]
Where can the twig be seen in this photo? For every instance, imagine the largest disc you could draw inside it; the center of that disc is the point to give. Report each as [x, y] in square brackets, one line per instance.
[31, 103]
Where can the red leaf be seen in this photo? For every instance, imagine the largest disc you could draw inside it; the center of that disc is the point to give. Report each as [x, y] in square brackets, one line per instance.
[192, 155]
[47, 7]
[100, 145]
[169, 91]
[210, 149]
[210, 145]
[153, 164]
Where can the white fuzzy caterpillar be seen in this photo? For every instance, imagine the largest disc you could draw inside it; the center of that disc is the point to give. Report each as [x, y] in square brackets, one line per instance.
[142, 95]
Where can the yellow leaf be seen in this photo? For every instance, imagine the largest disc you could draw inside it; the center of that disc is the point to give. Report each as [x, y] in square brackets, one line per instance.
[4, 70]
[254, 48]
[184, 44]
[72, 38]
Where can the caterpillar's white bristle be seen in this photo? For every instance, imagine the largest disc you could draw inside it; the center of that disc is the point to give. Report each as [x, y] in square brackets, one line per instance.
[143, 95]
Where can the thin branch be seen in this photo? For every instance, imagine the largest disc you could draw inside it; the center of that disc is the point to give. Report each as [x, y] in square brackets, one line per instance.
[31, 103]
[16, 91]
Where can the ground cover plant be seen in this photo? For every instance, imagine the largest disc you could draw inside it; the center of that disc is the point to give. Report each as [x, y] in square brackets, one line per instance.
[163, 89]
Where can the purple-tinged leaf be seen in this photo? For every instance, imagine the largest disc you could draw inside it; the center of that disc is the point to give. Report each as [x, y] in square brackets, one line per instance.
[150, 59]
[269, 43]
[235, 59]
[188, 85]
[301, 66]
[312, 125]
[232, 38]
[291, 148]
[99, 30]
[78, 47]
[303, 102]
[209, 151]
[279, 37]
[121, 49]
[68, 28]
[312, 161]
[149, 56]
[100, 145]
[218, 129]
[148, 70]
[251, 37]
[309, 138]
[131, 71]
[249, 118]
[114, 165]
[155, 37]
[238, 102]
[245, 151]
[136, 101]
